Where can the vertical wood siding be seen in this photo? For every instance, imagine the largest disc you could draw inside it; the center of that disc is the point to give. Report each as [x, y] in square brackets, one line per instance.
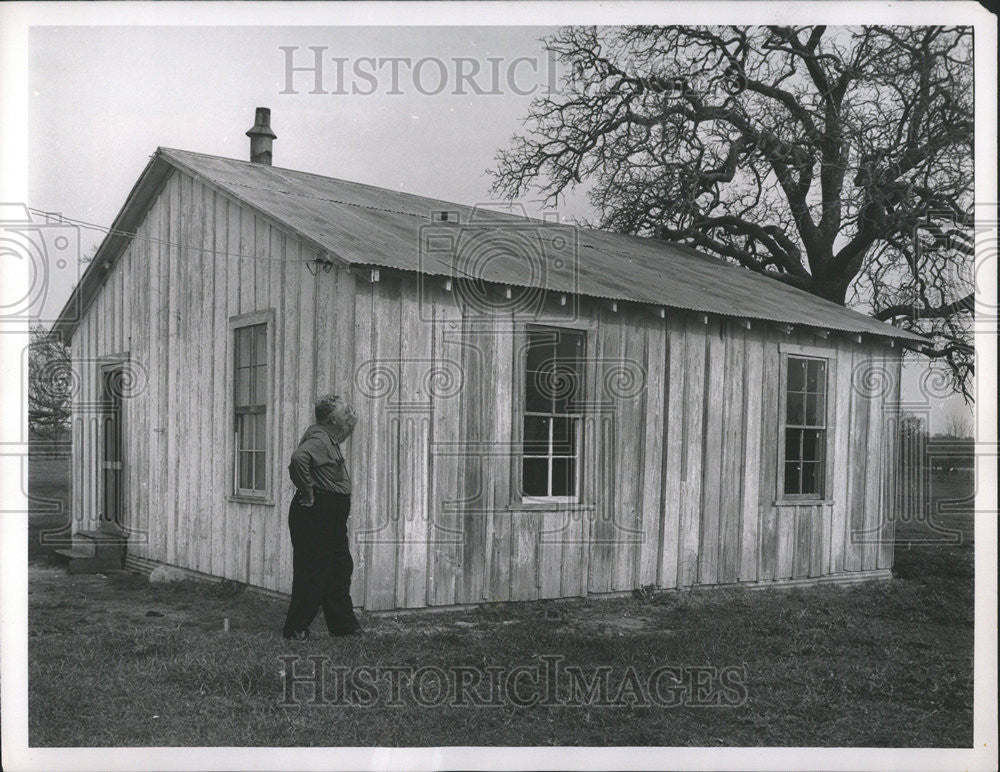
[199, 258]
[680, 449]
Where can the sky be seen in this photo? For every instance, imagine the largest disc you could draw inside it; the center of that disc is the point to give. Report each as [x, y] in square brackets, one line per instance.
[95, 119]
[417, 109]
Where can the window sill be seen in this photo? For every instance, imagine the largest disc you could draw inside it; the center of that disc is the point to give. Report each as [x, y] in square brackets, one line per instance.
[239, 499]
[548, 505]
[803, 502]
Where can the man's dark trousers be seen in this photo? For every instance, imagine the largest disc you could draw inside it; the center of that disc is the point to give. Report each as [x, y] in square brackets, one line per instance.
[321, 564]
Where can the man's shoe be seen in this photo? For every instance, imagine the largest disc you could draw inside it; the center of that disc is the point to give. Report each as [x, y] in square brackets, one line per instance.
[302, 635]
[356, 630]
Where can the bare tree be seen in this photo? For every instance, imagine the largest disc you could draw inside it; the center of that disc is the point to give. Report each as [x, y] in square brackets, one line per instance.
[50, 385]
[912, 425]
[958, 426]
[835, 160]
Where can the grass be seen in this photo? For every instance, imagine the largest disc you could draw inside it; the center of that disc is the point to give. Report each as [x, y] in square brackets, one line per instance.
[883, 664]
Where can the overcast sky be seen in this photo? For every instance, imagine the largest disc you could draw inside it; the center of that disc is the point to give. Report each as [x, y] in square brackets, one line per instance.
[422, 110]
[417, 109]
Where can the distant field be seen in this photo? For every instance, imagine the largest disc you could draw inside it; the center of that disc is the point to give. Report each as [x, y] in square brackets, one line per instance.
[942, 515]
[49, 504]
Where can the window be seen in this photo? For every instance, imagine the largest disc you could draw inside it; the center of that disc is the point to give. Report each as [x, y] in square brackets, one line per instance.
[553, 392]
[805, 426]
[250, 404]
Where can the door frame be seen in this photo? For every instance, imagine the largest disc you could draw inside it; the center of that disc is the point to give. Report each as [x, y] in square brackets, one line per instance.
[107, 365]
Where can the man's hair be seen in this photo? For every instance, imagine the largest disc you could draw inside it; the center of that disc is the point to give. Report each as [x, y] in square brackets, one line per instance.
[337, 415]
[327, 405]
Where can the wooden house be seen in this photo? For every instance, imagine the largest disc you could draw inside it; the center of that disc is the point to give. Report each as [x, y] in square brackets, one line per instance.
[545, 411]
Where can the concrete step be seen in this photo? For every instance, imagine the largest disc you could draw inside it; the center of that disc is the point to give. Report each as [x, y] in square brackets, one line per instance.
[74, 553]
[102, 535]
[80, 560]
[100, 544]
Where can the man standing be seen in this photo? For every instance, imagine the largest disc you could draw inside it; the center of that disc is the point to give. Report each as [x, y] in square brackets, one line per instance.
[317, 519]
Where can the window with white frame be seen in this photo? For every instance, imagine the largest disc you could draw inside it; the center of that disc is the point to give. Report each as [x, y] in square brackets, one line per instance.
[552, 429]
[251, 378]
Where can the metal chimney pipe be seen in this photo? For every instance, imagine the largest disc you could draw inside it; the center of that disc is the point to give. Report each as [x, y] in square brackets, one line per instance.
[261, 137]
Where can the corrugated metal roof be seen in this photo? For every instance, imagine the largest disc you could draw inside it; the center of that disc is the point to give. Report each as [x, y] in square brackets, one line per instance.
[366, 225]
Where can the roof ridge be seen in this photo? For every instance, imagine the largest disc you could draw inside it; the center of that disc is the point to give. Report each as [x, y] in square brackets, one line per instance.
[367, 185]
[382, 189]
[658, 243]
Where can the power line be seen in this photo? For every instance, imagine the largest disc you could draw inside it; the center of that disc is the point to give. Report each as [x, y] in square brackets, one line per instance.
[162, 242]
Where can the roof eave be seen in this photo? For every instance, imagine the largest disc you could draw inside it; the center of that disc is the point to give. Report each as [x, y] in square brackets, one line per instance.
[907, 338]
[115, 242]
[119, 236]
[224, 191]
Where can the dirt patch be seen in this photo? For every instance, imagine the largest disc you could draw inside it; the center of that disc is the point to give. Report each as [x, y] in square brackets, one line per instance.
[62, 602]
[617, 625]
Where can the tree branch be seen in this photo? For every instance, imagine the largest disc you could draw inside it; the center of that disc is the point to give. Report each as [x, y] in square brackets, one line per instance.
[914, 312]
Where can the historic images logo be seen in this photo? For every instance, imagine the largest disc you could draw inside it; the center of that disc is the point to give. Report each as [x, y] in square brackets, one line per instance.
[315, 70]
[35, 248]
[316, 680]
[500, 263]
